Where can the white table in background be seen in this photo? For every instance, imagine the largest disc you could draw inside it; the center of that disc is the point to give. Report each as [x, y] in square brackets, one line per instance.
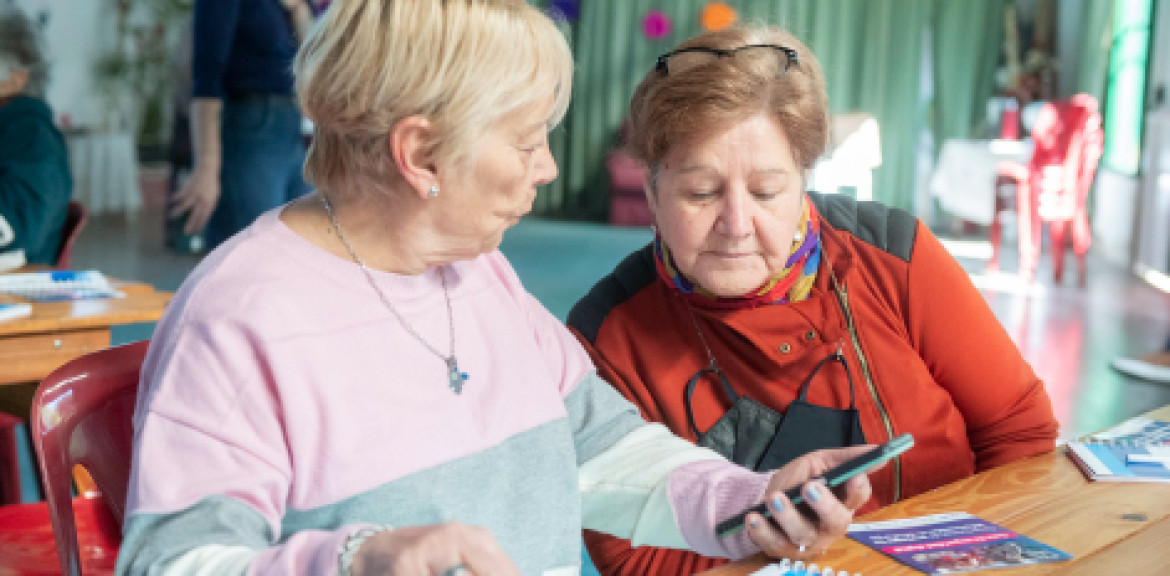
[105, 171]
[964, 180]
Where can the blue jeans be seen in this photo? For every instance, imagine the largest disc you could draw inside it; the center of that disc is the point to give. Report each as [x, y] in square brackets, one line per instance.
[263, 154]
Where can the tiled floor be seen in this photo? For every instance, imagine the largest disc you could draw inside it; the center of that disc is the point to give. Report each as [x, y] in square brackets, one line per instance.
[1069, 334]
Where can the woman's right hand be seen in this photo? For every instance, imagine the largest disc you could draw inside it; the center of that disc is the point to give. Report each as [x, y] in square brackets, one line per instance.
[794, 535]
[433, 550]
[197, 199]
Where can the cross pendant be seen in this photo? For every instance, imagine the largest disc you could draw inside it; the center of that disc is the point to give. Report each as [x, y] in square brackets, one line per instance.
[455, 378]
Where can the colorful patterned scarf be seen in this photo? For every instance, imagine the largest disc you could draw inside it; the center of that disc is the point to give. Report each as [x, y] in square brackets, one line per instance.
[792, 284]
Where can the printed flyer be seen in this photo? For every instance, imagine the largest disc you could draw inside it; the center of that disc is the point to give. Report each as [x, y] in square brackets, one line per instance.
[953, 543]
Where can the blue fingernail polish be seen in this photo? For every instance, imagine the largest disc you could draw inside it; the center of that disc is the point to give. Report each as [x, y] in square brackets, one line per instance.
[777, 504]
[812, 493]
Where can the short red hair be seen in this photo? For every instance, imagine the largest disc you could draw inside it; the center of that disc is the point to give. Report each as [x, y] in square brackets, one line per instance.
[715, 96]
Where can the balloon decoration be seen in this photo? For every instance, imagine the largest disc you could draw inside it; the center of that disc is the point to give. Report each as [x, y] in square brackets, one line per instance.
[717, 16]
[656, 25]
[566, 10]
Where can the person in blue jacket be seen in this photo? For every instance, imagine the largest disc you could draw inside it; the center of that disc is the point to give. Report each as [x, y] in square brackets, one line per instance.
[245, 123]
[35, 185]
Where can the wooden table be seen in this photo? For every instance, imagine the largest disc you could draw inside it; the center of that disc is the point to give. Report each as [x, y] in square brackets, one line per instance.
[1108, 527]
[56, 332]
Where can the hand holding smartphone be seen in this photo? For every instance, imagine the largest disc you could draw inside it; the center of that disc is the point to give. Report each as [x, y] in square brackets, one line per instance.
[834, 479]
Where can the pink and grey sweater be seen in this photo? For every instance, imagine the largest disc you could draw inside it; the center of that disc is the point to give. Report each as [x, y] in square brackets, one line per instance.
[282, 407]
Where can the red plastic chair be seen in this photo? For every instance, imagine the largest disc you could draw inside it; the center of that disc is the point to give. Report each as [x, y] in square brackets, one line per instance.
[27, 546]
[1054, 186]
[627, 201]
[76, 217]
[81, 415]
[9, 465]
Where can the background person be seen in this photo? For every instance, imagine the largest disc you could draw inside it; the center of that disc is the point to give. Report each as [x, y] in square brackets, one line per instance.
[751, 278]
[35, 184]
[245, 124]
[359, 384]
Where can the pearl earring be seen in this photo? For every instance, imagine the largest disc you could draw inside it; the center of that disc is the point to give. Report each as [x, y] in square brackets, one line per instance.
[798, 236]
[434, 191]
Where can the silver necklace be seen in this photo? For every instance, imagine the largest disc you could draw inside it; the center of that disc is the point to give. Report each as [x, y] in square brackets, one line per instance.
[455, 378]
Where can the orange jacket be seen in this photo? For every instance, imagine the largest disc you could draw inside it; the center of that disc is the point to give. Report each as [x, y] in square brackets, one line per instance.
[937, 362]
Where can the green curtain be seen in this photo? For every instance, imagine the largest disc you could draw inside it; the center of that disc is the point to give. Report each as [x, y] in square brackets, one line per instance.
[1126, 88]
[871, 51]
[967, 40]
[1096, 32]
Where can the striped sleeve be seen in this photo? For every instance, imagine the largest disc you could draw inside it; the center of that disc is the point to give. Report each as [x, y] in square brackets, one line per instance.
[640, 482]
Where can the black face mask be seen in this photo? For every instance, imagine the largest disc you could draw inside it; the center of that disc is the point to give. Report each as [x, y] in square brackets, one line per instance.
[757, 437]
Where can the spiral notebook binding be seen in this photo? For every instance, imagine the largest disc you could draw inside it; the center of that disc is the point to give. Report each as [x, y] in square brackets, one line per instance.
[1143, 433]
[1125, 442]
[788, 567]
[1136, 432]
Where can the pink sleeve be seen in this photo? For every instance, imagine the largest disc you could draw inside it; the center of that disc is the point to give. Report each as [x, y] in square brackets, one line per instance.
[707, 492]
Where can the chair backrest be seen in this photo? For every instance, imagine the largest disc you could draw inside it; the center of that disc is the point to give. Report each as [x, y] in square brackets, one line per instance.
[1091, 144]
[1064, 129]
[82, 415]
[76, 216]
[1068, 134]
[9, 466]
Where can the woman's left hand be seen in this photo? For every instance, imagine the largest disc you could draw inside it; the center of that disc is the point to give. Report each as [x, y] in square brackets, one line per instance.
[798, 536]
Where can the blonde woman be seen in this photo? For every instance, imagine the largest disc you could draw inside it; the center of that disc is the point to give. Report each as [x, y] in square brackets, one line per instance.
[359, 384]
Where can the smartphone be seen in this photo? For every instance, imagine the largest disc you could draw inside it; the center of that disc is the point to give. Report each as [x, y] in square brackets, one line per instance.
[835, 479]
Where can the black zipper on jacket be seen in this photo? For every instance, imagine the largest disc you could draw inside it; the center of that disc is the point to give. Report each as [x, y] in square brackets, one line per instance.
[843, 300]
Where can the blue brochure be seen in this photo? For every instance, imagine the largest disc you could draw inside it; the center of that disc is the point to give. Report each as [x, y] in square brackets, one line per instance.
[953, 543]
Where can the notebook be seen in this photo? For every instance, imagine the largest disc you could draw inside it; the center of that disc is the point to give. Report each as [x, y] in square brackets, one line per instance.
[1137, 450]
[57, 286]
[786, 567]
[1136, 430]
[14, 311]
[952, 543]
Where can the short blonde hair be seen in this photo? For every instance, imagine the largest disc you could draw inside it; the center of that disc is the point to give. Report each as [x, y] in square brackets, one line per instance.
[461, 64]
[715, 96]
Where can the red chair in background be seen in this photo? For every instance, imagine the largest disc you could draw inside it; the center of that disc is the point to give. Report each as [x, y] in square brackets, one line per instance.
[9, 465]
[1054, 186]
[76, 217]
[627, 200]
[81, 416]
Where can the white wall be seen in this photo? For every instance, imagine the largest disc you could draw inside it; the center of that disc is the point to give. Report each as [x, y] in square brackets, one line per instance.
[74, 40]
[1160, 54]
[1114, 215]
[1151, 245]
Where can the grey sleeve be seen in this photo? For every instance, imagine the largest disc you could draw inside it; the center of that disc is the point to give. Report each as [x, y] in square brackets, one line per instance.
[154, 543]
[600, 416]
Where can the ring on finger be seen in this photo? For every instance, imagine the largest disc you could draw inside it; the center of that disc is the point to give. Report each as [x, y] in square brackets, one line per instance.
[456, 570]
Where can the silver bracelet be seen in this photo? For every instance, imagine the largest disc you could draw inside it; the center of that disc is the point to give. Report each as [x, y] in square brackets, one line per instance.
[349, 548]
